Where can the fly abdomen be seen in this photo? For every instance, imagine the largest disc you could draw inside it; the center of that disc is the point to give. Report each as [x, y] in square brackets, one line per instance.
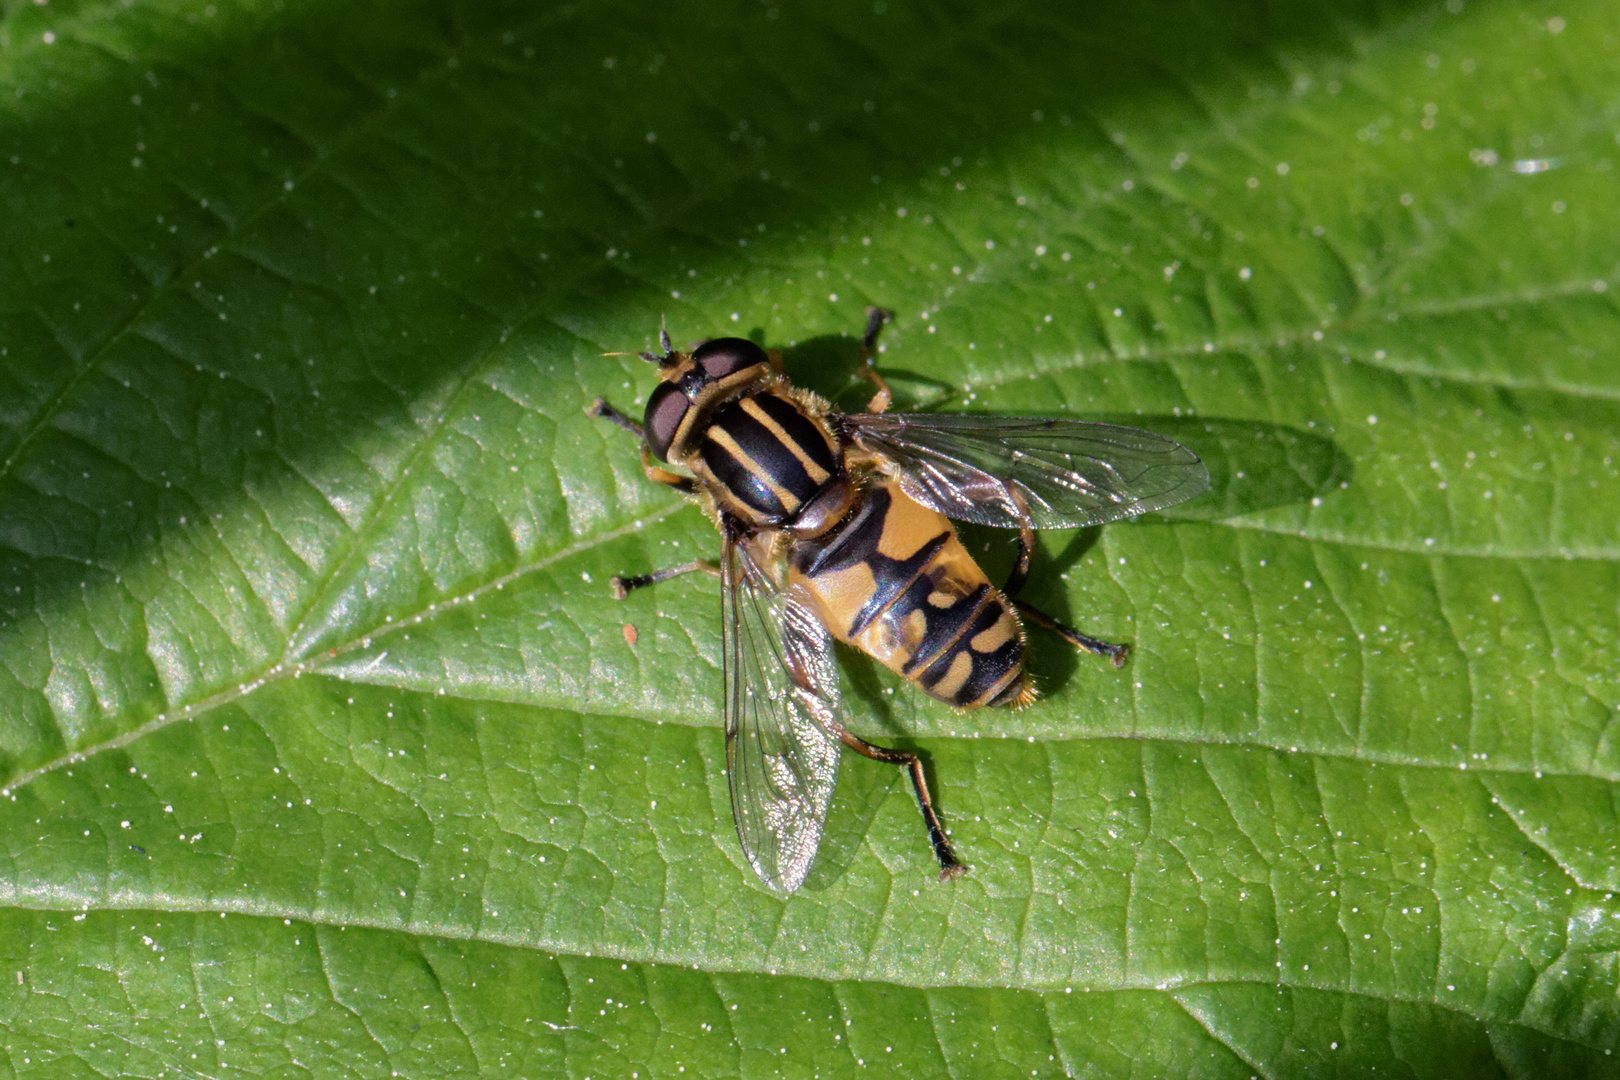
[769, 456]
[896, 583]
[985, 666]
[961, 645]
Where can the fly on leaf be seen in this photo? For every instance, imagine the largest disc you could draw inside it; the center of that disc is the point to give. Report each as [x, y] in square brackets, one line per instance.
[838, 527]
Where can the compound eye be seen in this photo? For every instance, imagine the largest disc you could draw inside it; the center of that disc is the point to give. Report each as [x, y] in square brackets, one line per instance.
[666, 408]
[727, 356]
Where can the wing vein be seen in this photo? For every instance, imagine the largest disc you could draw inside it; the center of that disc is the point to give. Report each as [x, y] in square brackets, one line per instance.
[1065, 473]
[782, 718]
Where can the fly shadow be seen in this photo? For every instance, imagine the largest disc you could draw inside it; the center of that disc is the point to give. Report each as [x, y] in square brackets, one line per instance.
[829, 365]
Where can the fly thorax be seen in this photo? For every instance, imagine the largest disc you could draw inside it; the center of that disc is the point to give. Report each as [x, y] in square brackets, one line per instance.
[773, 464]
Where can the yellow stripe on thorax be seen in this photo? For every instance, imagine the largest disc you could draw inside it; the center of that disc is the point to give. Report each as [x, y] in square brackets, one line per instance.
[818, 475]
[723, 437]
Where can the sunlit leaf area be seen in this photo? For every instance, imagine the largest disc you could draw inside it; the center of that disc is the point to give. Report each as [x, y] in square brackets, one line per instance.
[325, 750]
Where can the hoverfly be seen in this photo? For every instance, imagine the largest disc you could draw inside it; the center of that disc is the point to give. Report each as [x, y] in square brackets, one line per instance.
[837, 526]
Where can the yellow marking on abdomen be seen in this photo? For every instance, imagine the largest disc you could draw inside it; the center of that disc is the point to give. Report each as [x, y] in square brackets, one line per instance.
[955, 677]
[1001, 631]
[915, 626]
[908, 526]
[839, 594]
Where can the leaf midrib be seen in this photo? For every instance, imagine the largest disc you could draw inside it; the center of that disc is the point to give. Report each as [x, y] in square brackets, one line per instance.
[786, 967]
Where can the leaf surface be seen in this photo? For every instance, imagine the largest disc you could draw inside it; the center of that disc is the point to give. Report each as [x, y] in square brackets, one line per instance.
[310, 681]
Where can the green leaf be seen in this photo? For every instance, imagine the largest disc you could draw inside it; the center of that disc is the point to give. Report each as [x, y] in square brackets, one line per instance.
[309, 677]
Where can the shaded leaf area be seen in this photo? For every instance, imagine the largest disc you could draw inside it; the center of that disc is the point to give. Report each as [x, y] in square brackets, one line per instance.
[304, 536]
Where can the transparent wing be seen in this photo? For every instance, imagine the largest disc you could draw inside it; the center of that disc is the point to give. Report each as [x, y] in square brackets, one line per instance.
[1067, 472]
[782, 720]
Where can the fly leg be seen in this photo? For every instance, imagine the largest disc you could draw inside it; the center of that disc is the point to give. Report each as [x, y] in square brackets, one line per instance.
[875, 318]
[601, 410]
[624, 586]
[1115, 653]
[1020, 574]
[949, 865]
[1020, 570]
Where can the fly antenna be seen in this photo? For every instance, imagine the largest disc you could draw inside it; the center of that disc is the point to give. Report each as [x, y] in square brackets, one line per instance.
[664, 343]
